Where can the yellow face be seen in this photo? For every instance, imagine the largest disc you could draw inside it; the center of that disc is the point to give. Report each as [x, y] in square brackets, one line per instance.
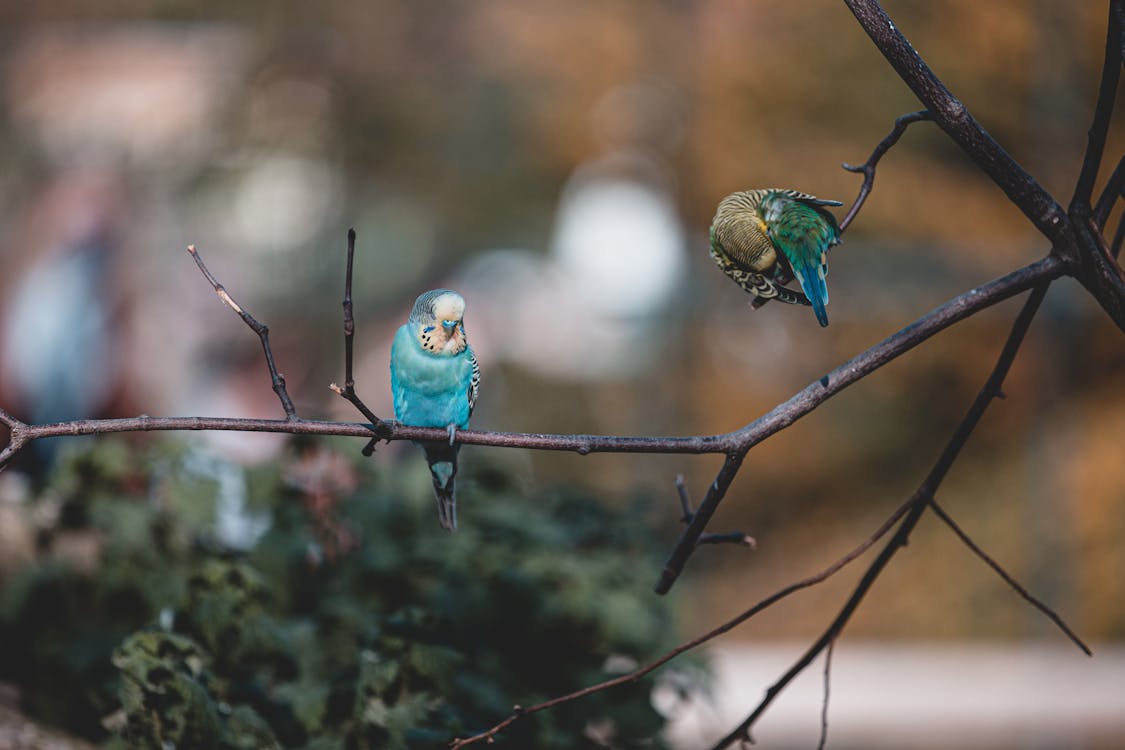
[445, 333]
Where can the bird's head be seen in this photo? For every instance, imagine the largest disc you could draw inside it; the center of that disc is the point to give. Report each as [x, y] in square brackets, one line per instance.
[438, 317]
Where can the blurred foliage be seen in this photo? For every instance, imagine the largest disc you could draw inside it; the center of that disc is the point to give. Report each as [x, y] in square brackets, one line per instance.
[352, 621]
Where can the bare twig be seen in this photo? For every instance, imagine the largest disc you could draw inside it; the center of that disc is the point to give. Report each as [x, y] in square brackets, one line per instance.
[1008, 579]
[827, 689]
[916, 508]
[1110, 193]
[378, 426]
[868, 170]
[263, 331]
[868, 167]
[729, 537]
[489, 734]
[1103, 113]
[954, 118]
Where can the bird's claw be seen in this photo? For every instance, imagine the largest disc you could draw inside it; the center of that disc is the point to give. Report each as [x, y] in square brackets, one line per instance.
[452, 433]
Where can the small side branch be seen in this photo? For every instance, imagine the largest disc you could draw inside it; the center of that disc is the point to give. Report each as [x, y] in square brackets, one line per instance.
[1103, 111]
[827, 690]
[729, 537]
[263, 331]
[955, 119]
[689, 539]
[1110, 193]
[378, 426]
[868, 167]
[1008, 579]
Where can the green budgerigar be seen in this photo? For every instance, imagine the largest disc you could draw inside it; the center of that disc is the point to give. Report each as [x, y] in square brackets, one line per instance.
[764, 238]
[434, 381]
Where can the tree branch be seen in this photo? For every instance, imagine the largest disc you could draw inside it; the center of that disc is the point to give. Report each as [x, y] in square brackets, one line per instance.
[824, 702]
[1110, 193]
[1103, 112]
[954, 118]
[788, 412]
[916, 507]
[263, 331]
[378, 426]
[1008, 579]
[868, 167]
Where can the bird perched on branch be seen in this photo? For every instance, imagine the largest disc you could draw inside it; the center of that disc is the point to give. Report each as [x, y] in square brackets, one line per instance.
[764, 238]
[434, 381]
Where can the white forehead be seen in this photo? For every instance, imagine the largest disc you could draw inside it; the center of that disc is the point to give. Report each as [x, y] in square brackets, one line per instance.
[449, 306]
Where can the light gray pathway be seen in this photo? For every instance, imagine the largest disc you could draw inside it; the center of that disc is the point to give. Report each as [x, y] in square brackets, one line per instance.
[1032, 695]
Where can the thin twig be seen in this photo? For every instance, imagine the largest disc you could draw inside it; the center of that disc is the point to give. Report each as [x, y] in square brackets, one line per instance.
[868, 170]
[1110, 193]
[1118, 236]
[868, 167]
[1103, 113]
[728, 537]
[916, 508]
[1008, 579]
[827, 687]
[489, 734]
[378, 426]
[263, 331]
[955, 119]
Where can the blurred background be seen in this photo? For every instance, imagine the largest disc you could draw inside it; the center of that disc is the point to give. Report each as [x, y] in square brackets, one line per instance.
[558, 163]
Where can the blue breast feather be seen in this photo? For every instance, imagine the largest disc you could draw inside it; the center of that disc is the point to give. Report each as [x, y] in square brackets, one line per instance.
[429, 390]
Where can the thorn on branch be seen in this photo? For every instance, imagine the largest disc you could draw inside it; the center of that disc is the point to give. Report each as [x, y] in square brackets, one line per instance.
[276, 379]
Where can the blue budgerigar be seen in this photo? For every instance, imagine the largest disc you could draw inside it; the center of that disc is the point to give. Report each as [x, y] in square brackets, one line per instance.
[434, 381]
[764, 238]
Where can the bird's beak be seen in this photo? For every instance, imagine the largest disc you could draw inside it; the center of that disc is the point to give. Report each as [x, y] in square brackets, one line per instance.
[449, 325]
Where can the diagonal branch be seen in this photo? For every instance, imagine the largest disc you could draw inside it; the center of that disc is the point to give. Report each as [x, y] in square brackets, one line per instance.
[954, 118]
[1110, 193]
[263, 331]
[1103, 111]
[976, 550]
[788, 412]
[916, 508]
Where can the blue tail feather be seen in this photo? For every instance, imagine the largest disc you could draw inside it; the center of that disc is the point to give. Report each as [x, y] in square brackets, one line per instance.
[813, 284]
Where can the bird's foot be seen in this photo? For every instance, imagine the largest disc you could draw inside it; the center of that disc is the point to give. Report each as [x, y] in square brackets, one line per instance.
[452, 433]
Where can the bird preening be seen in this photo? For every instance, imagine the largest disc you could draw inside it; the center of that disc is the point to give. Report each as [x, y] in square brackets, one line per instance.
[762, 239]
[434, 382]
